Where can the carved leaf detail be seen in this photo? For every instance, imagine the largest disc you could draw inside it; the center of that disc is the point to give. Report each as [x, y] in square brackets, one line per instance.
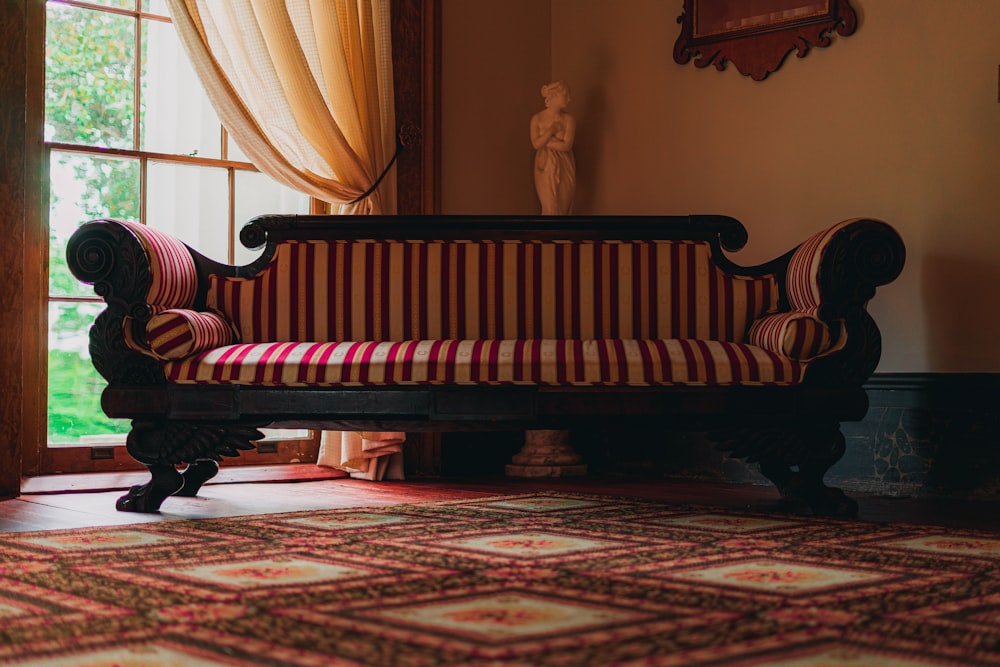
[175, 442]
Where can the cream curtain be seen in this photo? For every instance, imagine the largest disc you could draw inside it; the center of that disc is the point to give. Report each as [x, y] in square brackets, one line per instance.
[304, 87]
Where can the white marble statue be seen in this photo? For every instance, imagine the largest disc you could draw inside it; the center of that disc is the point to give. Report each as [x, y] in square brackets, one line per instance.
[552, 134]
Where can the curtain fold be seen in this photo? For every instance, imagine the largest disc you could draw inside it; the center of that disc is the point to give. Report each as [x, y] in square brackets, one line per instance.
[304, 87]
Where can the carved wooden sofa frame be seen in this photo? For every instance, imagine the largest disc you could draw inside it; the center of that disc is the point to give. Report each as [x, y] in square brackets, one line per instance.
[472, 323]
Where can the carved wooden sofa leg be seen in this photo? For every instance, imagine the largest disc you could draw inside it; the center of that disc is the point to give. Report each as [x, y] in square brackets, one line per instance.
[164, 445]
[795, 459]
[197, 474]
[166, 481]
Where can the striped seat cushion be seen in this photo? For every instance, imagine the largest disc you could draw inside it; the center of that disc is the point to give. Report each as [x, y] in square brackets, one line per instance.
[615, 362]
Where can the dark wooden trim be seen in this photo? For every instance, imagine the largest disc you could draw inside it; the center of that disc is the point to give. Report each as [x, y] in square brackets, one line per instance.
[936, 390]
[431, 82]
[36, 235]
[13, 28]
[722, 232]
[416, 49]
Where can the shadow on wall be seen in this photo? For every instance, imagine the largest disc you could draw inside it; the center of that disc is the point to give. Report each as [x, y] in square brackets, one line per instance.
[963, 311]
[591, 111]
[588, 150]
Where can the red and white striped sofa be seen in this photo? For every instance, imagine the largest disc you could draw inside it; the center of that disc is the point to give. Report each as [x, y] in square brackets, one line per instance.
[448, 322]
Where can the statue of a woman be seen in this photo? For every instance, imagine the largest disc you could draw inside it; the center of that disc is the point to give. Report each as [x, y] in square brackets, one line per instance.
[552, 134]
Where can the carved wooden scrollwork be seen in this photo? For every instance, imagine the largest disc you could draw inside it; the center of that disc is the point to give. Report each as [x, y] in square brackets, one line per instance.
[109, 257]
[175, 442]
[114, 360]
[757, 36]
[861, 257]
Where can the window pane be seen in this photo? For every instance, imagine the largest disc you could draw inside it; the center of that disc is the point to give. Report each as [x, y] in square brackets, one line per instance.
[120, 4]
[192, 203]
[279, 434]
[74, 385]
[257, 194]
[177, 116]
[84, 187]
[89, 77]
[155, 7]
[234, 152]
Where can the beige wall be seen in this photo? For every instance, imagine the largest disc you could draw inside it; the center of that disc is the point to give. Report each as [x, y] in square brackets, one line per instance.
[900, 121]
[493, 56]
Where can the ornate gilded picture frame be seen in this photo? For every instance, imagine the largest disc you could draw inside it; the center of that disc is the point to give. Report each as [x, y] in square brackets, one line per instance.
[757, 35]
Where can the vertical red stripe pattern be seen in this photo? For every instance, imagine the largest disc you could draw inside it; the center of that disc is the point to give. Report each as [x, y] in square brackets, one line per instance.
[802, 279]
[174, 279]
[607, 362]
[797, 335]
[408, 290]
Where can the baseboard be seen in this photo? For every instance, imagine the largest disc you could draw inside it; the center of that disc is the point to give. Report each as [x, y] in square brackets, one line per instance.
[925, 434]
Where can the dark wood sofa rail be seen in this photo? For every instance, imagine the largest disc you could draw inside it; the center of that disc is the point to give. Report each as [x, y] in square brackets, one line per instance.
[486, 322]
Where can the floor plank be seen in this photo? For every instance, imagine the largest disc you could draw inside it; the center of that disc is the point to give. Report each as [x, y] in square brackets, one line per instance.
[79, 509]
[113, 481]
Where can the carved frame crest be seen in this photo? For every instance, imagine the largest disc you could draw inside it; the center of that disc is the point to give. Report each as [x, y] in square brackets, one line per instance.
[757, 36]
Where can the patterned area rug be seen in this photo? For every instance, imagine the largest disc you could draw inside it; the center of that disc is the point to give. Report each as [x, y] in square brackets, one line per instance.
[535, 579]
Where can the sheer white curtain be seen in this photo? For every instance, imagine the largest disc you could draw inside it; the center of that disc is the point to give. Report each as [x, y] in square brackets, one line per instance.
[304, 87]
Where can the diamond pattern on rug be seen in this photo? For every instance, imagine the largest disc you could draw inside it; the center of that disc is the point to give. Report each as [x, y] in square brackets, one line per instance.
[943, 543]
[349, 521]
[259, 576]
[93, 540]
[253, 574]
[778, 576]
[501, 620]
[496, 618]
[727, 522]
[545, 579]
[849, 656]
[528, 544]
[544, 504]
[25, 604]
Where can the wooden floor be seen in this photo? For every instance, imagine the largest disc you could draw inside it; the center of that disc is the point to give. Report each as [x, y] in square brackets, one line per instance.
[88, 500]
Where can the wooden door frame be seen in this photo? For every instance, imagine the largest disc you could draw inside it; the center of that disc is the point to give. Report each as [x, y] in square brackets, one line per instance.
[21, 259]
[23, 256]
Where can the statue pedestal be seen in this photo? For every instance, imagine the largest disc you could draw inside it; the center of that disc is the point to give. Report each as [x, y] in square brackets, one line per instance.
[546, 454]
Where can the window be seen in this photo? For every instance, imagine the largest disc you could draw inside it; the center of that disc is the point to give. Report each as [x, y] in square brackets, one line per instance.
[130, 134]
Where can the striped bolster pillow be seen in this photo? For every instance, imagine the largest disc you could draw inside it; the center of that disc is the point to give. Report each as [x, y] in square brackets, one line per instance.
[178, 332]
[796, 335]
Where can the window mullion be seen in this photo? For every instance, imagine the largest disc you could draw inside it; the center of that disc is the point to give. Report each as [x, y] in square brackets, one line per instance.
[232, 214]
[143, 188]
[137, 82]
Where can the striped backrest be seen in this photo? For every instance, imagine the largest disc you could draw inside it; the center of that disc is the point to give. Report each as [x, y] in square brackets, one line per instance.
[418, 290]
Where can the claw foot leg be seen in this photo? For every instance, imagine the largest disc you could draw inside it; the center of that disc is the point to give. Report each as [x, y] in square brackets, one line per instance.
[147, 498]
[197, 474]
